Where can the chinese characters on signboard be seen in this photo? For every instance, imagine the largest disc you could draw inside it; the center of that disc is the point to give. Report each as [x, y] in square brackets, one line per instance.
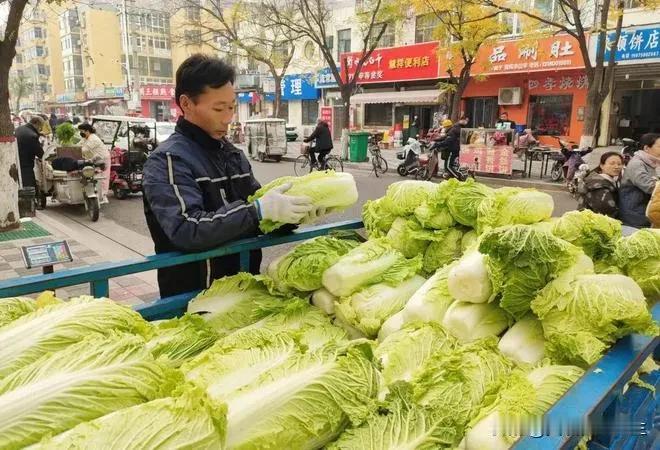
[497, 159]
[157, 92]
[325, 114]
[298, 87]
[523, 56]
[558, 82]
[634, 44]
[325, 79]
[412, 62]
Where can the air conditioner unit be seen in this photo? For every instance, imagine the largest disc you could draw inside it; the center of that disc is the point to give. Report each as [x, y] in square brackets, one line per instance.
[509, 96]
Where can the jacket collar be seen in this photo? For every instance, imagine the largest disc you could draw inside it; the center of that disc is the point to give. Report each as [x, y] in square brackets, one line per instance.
[192, 131]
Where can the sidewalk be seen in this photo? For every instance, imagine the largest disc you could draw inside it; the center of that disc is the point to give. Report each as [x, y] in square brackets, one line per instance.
[535, 181]
[87, 247]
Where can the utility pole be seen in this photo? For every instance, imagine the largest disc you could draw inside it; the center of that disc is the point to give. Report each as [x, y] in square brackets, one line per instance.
[127, 46]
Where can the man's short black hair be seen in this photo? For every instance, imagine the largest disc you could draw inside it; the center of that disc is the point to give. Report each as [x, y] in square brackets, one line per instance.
[199, 72]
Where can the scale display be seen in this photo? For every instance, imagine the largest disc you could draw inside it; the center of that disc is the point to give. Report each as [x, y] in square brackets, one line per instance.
[49, 254]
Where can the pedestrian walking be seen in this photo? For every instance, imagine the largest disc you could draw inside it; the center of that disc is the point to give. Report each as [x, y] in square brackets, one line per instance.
[599, 191]
[52, 121]
[196, 183]
[639, 180]
[29, 148]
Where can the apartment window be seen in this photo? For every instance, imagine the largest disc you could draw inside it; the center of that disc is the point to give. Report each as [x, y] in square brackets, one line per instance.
[549, 9]
[192, 13]
[330, 42]
[512, 22]
[631, 4]
[387, 39]
[42, 69]
[425, 26]
[38, 34]
[310, 111]
[550, 114]
[18, 58]
[344, 41]
[377, 115]
[39, 51]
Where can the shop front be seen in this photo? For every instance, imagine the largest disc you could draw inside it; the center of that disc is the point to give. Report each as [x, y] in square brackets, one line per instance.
[302, 97]
[397, 88]
[632, 108]
[157, 102]
[104, 100]
[541, 85]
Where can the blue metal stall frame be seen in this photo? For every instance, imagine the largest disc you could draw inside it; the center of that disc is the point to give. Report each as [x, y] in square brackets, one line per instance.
[587, 405]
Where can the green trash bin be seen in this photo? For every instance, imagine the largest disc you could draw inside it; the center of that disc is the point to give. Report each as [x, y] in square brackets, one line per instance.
[358, 143]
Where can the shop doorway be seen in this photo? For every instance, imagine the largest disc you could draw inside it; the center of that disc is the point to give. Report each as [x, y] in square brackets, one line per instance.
[424, 113]
[482, 111]
[639, 113]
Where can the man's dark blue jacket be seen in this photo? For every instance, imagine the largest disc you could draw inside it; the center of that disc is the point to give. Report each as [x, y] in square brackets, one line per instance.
[195, 199]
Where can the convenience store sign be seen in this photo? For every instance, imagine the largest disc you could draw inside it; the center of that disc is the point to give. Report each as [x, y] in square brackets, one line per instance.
[391, 64]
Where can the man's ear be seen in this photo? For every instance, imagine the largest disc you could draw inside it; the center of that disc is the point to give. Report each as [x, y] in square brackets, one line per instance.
[185, 102]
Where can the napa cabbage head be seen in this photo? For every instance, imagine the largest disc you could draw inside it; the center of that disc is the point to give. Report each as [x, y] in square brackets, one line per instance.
[584, 314]
[596, 234]
[301, 269]
[57, 326]
[528, 259]
[434, 214]
[428, 304]
[468, 322]
[445, 248]
[304, 403]
[370, 307]
[401, 354]
[185, 420]
[403, 197]
[639, 256]
[510, 206]
[234, 302]
[519, 407]
[524, 342]
[334, 191]
[180, 339]
[463, 199]
[400, 424]
[96, 376]
[374, 261]
[460, 379]
[408, 237]
[377, 219]
[15, 307]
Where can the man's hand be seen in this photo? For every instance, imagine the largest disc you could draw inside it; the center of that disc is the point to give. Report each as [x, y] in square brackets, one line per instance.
[314, 214]
[278, 207]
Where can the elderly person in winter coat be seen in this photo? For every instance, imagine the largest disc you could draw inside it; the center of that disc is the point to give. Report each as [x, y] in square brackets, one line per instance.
[600, 190]
[639, 181]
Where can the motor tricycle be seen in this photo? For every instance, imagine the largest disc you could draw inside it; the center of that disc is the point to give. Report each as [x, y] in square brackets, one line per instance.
[131, 139]
[65, 176]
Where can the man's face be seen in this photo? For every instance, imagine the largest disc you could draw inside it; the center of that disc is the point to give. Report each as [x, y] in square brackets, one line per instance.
[212, 110]
[504, 116]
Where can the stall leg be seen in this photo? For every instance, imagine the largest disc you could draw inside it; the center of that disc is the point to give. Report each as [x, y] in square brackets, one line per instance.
[245, 260]
[99, 288]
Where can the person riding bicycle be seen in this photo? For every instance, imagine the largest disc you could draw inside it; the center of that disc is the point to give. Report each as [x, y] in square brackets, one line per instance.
[452, 147]
[323, 143]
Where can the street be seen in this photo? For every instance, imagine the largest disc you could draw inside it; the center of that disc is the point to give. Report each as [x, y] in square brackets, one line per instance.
[128, 214]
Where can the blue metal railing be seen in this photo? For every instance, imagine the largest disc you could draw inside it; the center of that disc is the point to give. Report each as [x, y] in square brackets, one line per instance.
[98, 275]
[587, 399]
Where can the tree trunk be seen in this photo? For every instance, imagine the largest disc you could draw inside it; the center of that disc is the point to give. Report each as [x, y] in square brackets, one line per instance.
[346, 113]
[457, 97]
[591, 115]
[277, 104]
[8, 152]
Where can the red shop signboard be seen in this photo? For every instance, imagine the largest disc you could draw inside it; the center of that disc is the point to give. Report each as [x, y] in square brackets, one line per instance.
[157, 92]
[412, 62]
[325, 114]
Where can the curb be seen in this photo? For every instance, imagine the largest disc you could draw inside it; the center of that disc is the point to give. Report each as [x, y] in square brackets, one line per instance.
[504, 181]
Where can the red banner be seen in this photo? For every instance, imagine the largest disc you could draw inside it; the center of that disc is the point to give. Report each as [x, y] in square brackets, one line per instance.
[326, 115]
[386, 65]
[497, 159]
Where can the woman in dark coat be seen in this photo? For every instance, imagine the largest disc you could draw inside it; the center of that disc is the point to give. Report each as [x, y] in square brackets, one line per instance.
[600, 190]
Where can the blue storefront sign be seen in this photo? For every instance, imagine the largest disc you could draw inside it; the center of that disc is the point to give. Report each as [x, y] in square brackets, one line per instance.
[299, 87]
[635, 44]
[325, 79]
[245, 97]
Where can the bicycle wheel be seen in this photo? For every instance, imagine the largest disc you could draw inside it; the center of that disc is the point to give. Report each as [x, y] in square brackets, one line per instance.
[334, 163]
[301, 165]
[380, 165]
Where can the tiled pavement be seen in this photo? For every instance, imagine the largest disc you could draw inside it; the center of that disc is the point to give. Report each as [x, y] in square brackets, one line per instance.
[129, 289]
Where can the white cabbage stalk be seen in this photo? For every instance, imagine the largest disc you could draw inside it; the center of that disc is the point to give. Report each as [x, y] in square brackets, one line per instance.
[471, 321]
[524, 341]
[324, 300]
[469, 280]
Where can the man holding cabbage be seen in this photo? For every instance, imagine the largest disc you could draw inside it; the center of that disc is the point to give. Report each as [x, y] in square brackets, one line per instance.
[196, 184]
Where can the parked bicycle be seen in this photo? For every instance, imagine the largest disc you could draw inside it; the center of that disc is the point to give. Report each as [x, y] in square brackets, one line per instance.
[378, 163]
[303, 163]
